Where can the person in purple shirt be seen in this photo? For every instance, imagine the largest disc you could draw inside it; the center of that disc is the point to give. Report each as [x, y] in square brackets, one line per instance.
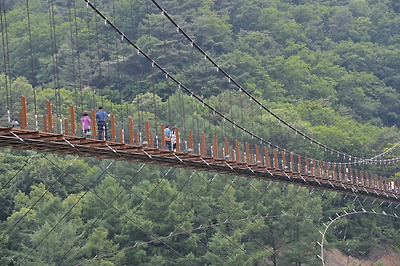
[85, 121]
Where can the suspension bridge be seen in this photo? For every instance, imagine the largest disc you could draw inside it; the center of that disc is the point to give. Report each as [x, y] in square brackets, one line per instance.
[264, 161]
[45, 126]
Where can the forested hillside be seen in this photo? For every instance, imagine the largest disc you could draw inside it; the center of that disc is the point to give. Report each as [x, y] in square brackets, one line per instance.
[329, 68]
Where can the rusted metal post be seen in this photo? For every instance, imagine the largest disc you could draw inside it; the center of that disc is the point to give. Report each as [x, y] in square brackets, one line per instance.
[307, 170]
[276, 163]
[73, 123]
[356, 176]
[94, 123]
[137, 138]
[314, 171]
[237, 151]
[247, 153]
[283, 160]
[163, 144]
[267, 162]
[227, 148]
[334, 172]
[299, 167]
[321, 169]
[328, 165]
[49, 117]
[291, 162]
[203, 144]
[258, 159]
[215, 147]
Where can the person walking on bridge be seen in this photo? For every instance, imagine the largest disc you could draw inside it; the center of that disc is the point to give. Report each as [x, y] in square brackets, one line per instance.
[167, 136]
[101, 117]
[85, 121]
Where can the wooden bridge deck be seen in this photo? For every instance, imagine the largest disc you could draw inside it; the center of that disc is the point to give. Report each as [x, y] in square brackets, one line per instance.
[86, 147]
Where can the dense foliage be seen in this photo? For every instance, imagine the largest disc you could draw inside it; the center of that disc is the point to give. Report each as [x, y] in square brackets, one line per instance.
[327, 67]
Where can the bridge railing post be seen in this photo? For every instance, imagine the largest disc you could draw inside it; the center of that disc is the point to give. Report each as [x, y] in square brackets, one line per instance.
[73, 123]
[137, 138]
[283, 160]
[307, 170]
[276, 163]
[131, 133]
[356, 176]
[227, 156]
[147, 126]
[49, 117]
[258, 159]
[321, 170]
[163, 137]
[94, 123]
[190, 148]
[299, 166]
[203, 144]
[361, 182]
[247, 153]
[215, 147]
[340, 176]
[291, 162]
[237, 151]
[314, 171]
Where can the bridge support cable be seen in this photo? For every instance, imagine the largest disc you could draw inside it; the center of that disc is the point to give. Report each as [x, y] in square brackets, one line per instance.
[209, 164]
[312, 177]
[100, 78]
[65, 215]
[64, 171]
[19, 170]
[88, 188]
[72, 60]
[252, 98]
[6, 61]
[155, 64]
[93, 222]
[161, 212]
[32, 65]
[200, 197]
[117, 52]
[203, 227]
[271, 207]
[137, 195]
[223, 235]
[78, 55]
[222, 195]
[354, 212]
[91, 65]
[56, 79]
[126, 216]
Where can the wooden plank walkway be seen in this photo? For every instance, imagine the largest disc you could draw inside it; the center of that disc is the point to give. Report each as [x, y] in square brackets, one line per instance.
[87, 147]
